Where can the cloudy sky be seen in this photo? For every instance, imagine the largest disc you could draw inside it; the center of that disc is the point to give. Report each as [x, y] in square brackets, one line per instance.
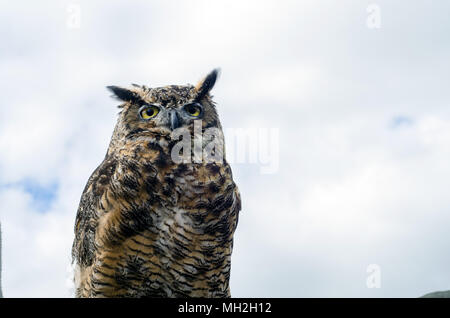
[358, 92]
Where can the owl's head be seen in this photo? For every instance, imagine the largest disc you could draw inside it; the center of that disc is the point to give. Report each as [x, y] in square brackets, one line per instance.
[160, 110]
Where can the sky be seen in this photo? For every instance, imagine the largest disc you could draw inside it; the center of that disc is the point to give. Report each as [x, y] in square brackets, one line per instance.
[354, 97]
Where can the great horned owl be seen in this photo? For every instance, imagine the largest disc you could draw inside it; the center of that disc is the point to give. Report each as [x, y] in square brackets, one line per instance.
[146, 225]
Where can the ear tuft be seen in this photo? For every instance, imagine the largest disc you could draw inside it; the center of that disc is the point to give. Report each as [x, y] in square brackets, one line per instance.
[204, 86]
[123, 93]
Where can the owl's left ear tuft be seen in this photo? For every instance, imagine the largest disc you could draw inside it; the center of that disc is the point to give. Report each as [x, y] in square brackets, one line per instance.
[123, 94]
[205, 85]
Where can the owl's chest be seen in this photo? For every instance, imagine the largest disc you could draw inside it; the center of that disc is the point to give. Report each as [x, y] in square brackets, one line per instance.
[150, 167]
[170, 222]
[186, 199]
[182, 194]
[185, 185]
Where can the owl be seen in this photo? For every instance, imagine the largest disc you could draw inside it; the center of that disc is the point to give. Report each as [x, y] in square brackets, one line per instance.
[149, 225]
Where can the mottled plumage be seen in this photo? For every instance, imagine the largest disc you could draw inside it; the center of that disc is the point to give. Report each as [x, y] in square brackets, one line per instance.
[147, 226]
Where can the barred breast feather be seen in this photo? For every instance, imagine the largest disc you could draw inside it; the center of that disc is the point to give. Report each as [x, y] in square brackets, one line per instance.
[148, 227]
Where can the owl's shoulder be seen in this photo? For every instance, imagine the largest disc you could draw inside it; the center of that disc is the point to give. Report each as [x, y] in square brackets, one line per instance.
[99, 180]
[87, 214]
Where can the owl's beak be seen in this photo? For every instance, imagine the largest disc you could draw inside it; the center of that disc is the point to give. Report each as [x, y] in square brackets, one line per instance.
[174, 120]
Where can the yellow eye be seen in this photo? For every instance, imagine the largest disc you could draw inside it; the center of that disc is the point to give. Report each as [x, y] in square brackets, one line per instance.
[148, 111]
[193, 110]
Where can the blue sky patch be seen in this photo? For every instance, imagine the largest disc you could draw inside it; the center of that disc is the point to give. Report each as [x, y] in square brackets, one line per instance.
[43, 195]
[400, 121]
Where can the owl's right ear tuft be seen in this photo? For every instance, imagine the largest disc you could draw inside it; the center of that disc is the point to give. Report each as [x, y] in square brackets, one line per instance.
[123, 94]
[205, 85]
